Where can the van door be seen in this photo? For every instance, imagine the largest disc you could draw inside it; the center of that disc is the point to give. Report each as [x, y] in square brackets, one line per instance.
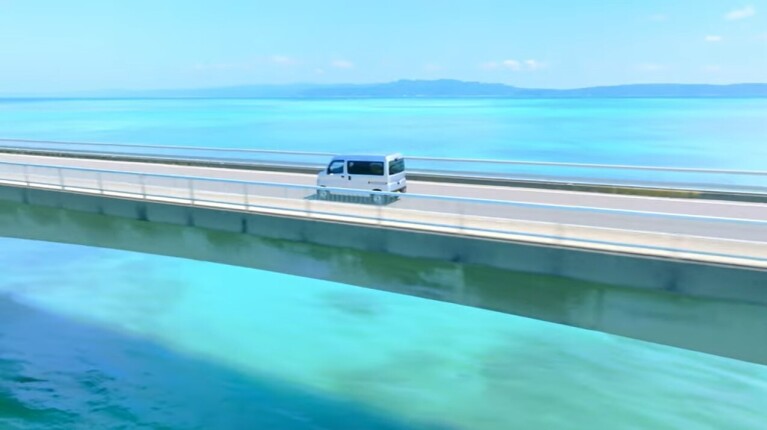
[366, 175]
[335, 176]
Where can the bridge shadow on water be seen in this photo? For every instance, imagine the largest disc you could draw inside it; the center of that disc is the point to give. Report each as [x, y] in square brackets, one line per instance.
[62, 374]
[723, 327]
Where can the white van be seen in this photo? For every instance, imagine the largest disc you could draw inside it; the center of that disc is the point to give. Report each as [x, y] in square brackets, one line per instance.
[364, 172]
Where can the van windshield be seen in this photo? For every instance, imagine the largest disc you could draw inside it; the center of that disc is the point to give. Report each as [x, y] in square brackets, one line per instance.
[396, 166]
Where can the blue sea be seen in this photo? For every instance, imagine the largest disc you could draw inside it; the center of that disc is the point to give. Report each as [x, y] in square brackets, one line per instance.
[711, 133]
[99, 338]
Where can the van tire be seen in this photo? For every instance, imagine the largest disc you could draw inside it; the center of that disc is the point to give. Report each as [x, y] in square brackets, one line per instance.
[323, 194]
[377, 198]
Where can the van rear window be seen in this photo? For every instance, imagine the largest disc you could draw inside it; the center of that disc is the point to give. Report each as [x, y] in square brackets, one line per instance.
[375, 168]
[396, 166]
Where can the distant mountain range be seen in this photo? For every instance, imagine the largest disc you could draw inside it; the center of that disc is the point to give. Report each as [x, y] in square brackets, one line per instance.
[446, 88]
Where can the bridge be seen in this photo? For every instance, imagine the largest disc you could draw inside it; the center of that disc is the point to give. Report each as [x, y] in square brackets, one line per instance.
[702, 239]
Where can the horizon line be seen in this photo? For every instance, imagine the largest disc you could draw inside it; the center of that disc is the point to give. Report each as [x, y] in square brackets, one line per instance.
[316, 84]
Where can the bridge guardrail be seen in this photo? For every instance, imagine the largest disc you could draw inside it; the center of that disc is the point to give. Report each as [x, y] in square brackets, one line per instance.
[606, 229]
[678, 178]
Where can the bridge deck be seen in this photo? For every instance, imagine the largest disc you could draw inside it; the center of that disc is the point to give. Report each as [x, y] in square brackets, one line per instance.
[715, 231]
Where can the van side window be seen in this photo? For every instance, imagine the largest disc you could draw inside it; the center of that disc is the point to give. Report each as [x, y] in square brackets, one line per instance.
[336, 167]
[375, 168]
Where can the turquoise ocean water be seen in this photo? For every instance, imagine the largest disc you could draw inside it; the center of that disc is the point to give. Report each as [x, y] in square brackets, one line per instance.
[94, 338]
[98, 338]
[725, 133]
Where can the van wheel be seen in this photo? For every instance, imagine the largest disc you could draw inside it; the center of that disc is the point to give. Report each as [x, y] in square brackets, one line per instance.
[377, 198]
[323, 194]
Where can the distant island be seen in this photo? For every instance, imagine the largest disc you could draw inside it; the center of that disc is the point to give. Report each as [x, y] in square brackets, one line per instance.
[445, 88]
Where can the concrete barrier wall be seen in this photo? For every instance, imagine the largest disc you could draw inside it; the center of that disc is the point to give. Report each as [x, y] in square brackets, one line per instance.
[685, 277]
[690, 305]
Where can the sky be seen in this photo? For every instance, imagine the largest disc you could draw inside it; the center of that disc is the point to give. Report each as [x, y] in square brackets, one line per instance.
[73, 45]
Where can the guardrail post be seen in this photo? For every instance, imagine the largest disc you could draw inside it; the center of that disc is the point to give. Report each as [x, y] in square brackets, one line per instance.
[100, 182]
[561, 235]
[61, 177]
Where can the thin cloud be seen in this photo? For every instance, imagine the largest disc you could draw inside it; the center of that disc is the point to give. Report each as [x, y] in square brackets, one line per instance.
[713, 38]
[432, 67]
[742, 13]
[249, 64]
[214, 66]
[652, 67]
[283, 60]
[342, 64]
[514, 65]
[233, 66]
[659, 17]
[534, 65]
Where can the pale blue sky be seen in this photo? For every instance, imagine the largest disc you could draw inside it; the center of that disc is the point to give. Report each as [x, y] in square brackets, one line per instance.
[64, 45]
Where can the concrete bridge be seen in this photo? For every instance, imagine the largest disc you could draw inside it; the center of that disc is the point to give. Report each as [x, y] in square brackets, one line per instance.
[474, 244]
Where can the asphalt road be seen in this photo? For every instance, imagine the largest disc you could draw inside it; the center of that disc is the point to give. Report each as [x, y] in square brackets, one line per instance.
[703, 218]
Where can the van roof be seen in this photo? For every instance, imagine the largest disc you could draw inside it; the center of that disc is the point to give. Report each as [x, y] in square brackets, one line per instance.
[368, 157]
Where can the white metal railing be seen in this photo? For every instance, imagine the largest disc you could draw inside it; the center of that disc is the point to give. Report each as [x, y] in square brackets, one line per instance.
[682, 178]
[612, 229]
